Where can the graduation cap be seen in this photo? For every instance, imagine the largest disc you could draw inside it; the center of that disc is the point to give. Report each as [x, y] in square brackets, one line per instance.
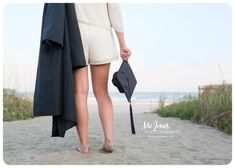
[125, 81]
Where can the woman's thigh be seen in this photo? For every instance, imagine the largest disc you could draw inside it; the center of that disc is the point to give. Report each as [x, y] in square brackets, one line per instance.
[99, 76]
[81, 84]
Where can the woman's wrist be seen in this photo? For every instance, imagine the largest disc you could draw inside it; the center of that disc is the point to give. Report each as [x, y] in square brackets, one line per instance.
[122, 45]
[121, 39]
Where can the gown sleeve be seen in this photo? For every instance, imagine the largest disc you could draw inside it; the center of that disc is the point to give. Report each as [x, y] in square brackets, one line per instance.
[115, 17]
[53, 24]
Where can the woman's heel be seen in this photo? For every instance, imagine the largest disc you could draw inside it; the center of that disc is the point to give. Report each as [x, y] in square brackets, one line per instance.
[84, 149]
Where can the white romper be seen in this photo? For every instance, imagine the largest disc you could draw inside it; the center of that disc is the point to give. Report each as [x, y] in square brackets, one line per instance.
[96, 21]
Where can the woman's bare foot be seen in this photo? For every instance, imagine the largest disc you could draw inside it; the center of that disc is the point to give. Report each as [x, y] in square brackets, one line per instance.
[84, 149]
[107, 147]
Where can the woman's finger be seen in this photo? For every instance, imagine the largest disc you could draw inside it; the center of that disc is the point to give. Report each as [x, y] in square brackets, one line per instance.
[124, 58]
[126, 53]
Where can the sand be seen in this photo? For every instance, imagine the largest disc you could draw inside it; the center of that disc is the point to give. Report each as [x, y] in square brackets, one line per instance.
[180, 142]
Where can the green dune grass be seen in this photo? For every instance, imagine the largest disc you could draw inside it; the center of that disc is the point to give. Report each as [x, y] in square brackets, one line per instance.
[212, 107]
[16, 107]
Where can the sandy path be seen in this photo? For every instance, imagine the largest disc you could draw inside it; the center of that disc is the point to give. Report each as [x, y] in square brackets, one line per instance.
[29, 142]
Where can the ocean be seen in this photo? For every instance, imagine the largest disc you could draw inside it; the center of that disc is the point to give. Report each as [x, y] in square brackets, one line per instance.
[137, 97]
[147, 97]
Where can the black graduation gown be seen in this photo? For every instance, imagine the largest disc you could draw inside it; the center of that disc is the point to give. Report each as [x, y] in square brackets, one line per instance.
[60, 53]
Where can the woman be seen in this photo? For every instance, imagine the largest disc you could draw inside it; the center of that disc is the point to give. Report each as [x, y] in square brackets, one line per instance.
[95, 22]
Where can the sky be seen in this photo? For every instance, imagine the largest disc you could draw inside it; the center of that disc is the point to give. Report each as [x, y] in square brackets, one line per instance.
[175, 47]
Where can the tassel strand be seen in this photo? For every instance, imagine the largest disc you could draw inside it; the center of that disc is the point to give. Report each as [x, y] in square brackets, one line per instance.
[132, 120]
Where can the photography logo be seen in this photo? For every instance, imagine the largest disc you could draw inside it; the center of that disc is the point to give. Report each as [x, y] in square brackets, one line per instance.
[156, 129]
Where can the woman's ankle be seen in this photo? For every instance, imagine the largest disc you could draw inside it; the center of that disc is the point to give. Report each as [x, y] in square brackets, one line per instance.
[108, 142]
[84, 148]
[84, 145]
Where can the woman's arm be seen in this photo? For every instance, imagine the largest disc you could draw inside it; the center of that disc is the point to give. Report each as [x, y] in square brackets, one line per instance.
[117, 23]
[125, 52]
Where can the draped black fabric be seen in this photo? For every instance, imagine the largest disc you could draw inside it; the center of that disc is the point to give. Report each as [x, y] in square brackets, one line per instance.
[60, 53]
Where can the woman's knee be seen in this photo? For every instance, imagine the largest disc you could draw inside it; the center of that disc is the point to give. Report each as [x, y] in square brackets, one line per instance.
[82, 91]
[100, 92]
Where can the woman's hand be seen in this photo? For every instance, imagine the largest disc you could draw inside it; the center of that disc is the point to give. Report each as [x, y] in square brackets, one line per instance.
[125, 53]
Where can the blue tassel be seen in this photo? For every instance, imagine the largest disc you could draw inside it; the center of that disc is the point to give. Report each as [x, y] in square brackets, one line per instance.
[132, 120]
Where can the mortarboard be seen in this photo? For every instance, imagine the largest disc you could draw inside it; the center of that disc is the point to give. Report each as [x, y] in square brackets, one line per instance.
[124, 79]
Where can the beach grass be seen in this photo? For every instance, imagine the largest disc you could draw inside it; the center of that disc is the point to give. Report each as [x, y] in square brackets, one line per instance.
[212, 107]
[16, 107]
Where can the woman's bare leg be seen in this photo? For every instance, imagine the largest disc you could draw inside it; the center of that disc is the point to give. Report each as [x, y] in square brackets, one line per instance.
[99, 76]
[81, 93]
